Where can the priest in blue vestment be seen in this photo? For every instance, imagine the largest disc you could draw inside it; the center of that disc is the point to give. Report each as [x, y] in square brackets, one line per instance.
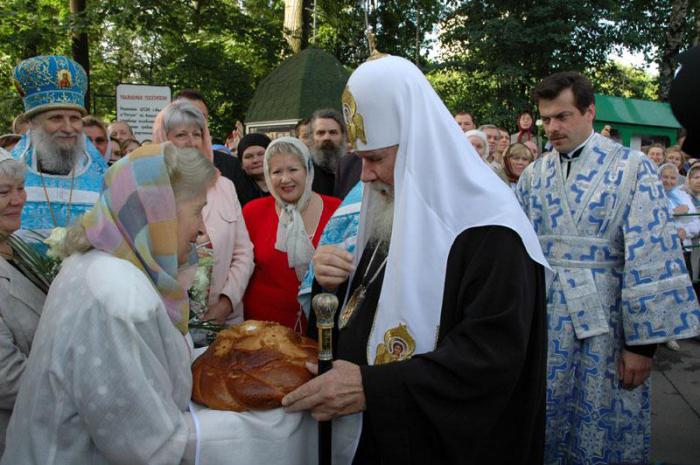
[65, 170]
[621, 286]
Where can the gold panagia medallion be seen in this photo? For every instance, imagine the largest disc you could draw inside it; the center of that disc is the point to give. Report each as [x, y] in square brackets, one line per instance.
[398, 345]
[354, 120]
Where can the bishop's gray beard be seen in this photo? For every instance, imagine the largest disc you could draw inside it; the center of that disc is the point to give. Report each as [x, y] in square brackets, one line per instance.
[52, 157]
[381, 213]
[327, 155]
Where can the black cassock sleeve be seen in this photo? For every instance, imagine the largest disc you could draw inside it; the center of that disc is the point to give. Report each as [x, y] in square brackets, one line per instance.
[479, 398]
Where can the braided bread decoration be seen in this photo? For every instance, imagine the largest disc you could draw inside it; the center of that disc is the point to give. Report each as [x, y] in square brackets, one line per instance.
[251, 366]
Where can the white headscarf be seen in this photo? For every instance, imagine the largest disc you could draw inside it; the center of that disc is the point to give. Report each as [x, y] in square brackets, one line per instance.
[481, 135]
[438, 193]
[5, 155]
[291, 234]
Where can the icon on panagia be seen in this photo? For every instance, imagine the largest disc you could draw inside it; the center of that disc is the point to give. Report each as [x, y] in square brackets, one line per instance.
[398, 345]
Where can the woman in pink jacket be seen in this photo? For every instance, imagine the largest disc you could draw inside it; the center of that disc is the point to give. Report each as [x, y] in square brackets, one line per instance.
[184, 125]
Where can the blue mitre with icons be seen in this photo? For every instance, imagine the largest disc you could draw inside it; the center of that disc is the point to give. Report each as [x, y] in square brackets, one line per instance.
[50, 83]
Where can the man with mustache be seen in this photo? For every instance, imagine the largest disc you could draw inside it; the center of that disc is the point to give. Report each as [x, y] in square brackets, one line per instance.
[440, 342]
[328, 146]
[65, 170]
[621, 285]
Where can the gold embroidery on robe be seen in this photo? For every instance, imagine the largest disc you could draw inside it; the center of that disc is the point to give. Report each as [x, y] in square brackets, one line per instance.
[398, 345]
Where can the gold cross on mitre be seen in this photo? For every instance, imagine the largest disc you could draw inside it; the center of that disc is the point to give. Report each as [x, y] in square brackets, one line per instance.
[374, 54]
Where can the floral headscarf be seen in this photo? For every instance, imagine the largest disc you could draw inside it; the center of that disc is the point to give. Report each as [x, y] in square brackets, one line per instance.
[135, 219]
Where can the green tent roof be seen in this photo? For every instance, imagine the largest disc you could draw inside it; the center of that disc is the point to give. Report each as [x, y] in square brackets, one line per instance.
[634, 111]
[303, 83]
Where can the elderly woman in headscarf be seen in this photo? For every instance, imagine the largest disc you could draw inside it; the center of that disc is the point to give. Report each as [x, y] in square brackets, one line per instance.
[285, 229]
[184, 125]
[680, 203]
[479, 141]
[108, 378]
[692, 183]
[525, 123]
[516, 158]
[21, 294]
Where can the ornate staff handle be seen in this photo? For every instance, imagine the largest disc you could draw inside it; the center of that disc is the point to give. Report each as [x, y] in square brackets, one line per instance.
[325, 305]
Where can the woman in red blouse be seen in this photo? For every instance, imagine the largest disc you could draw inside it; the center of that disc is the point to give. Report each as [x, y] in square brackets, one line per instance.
[285, 229]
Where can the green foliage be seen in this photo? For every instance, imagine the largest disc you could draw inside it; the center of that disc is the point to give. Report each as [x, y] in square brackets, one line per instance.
[399, 25]
[619, 79]
[492, 53]
[508, 46]
[474, 92]
[25, 31]
[222, 47]
[496, 52]
[661, 29]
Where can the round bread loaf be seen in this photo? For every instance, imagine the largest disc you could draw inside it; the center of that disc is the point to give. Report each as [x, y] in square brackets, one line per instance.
[251, 366]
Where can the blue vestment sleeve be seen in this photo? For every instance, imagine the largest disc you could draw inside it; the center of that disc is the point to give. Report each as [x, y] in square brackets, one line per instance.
[658, 300]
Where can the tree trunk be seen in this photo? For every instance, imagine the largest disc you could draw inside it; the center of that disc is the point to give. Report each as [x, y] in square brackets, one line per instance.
[674, 43]
[696, 40]
[293, 23]
[79, 41]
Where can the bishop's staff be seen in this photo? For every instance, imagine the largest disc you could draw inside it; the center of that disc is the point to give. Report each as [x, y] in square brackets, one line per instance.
[325, 305]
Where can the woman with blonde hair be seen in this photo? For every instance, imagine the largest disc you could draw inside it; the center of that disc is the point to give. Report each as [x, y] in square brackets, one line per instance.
[285, 229]
[516, 158]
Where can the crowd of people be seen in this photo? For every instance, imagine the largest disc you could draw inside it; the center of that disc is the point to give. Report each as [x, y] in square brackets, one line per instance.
[501, 300]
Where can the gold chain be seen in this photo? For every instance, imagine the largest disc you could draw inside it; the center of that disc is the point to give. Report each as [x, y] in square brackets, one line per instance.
[70, 198]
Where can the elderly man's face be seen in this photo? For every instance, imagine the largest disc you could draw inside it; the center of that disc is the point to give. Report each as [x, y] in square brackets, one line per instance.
[378, 165]
[63, 126]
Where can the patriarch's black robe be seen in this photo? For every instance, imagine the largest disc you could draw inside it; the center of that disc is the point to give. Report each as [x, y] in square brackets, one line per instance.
[479, 397]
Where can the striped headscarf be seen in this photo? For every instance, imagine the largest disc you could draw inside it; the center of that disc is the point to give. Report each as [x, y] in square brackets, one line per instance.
[135, 219]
